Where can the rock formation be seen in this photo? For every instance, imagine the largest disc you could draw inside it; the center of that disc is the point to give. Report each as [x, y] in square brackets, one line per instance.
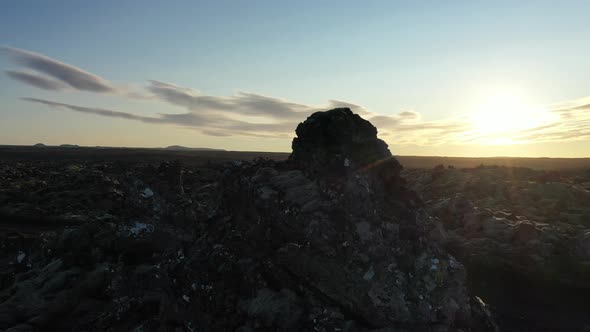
[523, 239]
[330, 240]
[339, 142]
[336, 140]
[342, 228]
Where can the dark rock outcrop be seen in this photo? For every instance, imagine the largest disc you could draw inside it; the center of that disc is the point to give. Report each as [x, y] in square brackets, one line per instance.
[336, 224]
[330, 240]
[338, 141]
[525, 250]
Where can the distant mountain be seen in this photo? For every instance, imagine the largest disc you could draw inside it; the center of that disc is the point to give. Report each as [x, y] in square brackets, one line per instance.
[169, 148]
[184, 148]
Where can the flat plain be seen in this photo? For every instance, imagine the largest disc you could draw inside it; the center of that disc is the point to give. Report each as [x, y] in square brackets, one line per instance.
[20, 152]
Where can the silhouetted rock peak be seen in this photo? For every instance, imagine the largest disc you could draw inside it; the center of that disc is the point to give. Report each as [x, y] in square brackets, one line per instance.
[338, 141]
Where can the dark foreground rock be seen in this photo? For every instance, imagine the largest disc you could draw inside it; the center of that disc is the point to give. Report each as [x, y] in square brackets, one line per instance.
[330, 240]
[335, 141]
[522, 237]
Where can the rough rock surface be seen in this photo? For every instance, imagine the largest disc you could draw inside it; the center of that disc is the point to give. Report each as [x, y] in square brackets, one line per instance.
[523, 238]
[338, 142]
[330, 240]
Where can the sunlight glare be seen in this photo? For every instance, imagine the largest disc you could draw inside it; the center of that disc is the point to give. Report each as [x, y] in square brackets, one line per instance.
[501, 116]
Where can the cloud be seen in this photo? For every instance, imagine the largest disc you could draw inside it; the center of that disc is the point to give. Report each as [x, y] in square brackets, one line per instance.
[96, 111]
[36, 80]
[241, 113]
[254, 115]
[209, 124]
[447, 126]
[257, 115]
[216, 133]
[214, 120]
[353, 107]
[243, 103]
[217, 116]
[68, 74]
[381, 121]
[570, 126]
[409, 115]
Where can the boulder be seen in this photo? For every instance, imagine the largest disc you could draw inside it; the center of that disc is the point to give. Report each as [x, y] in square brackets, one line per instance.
[338, 141]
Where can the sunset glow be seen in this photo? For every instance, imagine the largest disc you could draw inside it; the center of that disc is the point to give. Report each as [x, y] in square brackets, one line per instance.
[501, 117]
[427, 82]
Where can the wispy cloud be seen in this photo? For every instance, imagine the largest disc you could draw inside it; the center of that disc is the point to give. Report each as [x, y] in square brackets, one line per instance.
[399, 129]
[243, 103]
[209, 124]
[409, 115]
[36, 80]
[571, 124]
[73, 76]
[211, 121]
[251, 114]
[95, 111]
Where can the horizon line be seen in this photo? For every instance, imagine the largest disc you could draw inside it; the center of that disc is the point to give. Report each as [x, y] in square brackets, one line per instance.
[205, 149]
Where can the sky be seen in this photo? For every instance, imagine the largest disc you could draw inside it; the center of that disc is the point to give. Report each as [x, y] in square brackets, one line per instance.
[454, 78]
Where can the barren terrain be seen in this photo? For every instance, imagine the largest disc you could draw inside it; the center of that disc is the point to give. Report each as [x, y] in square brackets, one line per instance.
[139, 235]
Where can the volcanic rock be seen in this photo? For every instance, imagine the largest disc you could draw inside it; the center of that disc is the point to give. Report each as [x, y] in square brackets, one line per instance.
[338, 141]
[330, 240]
[335, 230]
[524, 242]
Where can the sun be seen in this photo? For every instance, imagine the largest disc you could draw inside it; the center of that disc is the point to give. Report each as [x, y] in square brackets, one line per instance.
[500, 117]
[503, 113]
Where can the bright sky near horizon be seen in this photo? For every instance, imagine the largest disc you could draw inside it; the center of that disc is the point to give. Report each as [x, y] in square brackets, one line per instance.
[455, 78]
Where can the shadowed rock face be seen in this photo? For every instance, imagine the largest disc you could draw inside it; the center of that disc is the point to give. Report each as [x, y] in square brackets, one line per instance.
[337, 142]
[337, 139]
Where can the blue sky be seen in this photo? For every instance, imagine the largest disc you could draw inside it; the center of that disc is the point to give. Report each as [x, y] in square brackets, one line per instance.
[439, 60]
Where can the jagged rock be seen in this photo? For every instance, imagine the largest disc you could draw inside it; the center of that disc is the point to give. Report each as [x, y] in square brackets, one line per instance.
[484, 319]
[339, 232]
[336, 141]
[518, 238]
